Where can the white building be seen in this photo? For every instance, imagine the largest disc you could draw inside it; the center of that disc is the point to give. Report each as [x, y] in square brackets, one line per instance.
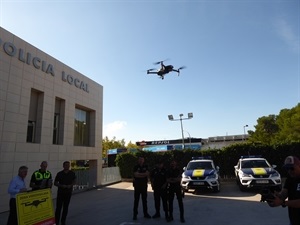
[48, 111]
[219, 142]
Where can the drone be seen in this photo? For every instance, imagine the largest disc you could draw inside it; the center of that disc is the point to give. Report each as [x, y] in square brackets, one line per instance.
[164, 69]
[35, 203]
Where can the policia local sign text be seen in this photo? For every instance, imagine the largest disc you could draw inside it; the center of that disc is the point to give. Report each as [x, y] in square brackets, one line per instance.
[40, 64]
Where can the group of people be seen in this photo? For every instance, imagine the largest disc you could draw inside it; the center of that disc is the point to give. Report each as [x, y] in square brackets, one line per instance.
[165, 184]
[42, 179]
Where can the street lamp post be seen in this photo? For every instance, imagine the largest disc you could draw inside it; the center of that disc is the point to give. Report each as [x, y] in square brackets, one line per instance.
[190, 116]
[245, 131]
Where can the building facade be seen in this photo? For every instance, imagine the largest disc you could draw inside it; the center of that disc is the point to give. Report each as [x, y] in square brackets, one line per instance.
[166, 145]
[219, 142]
[48, 112]
[209, 143]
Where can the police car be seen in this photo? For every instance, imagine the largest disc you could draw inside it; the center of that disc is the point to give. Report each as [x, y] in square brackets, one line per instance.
[255, 171]
[200, 173]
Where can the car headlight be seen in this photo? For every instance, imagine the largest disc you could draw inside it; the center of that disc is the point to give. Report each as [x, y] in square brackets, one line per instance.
[185, 176]
[213, 176]
[276, 174]
[245, 174]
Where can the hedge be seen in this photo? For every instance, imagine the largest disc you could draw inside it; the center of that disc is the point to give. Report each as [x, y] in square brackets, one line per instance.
[226, 158]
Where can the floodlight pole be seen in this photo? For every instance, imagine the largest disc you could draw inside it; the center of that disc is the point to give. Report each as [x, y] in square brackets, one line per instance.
[183, 145]
[171, 118]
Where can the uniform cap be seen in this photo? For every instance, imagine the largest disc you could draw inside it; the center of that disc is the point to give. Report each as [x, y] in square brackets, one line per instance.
[290, 161]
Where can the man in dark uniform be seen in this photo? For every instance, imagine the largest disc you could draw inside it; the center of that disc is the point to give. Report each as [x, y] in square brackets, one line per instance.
[159, 185]
[64, 180]
[290, 191]
[140, 184]
[41, 178]
[174, 179]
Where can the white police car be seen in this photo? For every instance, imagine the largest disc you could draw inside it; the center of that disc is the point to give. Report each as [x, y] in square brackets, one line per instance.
[256, 172]
[200, 173]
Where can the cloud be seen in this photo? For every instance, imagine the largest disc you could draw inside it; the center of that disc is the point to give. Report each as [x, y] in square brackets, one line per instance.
[287, 34]
[112, 129]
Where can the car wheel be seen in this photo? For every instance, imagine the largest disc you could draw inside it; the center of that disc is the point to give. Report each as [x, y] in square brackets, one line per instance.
[242, 187]
[216, 189]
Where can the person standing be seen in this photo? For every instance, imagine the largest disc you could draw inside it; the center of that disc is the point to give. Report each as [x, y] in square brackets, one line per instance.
[41, 178]
[64, 180]
[290, 191]
[174, 180]
[158, 177]
[140, 184]
[17, 185]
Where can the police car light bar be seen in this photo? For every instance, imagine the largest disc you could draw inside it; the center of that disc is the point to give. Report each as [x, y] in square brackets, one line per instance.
[201, 157]
[250, 156]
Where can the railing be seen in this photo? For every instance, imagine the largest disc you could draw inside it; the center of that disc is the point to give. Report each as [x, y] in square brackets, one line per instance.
[109, 175]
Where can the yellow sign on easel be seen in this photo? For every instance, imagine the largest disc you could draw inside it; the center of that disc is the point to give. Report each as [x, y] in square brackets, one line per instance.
[35, 208]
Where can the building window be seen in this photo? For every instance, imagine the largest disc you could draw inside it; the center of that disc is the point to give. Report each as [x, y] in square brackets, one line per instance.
[30, 131]
[56, 128]
[35, 116]
[82, 125]
[58, 122]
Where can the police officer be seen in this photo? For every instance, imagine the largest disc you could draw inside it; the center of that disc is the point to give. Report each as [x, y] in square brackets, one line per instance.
[174, 179]
[159, 185]
[289, 196]
[140, 184]
[41, 178]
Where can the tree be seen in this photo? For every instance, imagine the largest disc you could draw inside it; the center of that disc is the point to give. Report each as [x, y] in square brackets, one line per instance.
[131, 145]
[273, 129]
[288, 122]
[111, 144]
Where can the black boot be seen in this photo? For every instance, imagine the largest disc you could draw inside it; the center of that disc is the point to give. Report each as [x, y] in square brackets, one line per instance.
[182, 220]
[156, 215]
[171, 217]
[146, 215]
[166, 216]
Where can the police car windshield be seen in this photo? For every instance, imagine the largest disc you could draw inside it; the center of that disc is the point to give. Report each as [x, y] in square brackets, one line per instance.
[254, 164]
[199, 165]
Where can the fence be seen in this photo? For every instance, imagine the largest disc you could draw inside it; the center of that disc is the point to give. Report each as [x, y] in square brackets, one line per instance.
[109, 175]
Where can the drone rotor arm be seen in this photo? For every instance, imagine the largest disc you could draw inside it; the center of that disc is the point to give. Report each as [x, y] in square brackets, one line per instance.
[149, 72]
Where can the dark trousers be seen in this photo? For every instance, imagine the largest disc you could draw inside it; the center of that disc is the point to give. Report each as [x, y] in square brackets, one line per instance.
[140, 190]
[171, 194]
[160, 194]
[13, 217]
[62, 203]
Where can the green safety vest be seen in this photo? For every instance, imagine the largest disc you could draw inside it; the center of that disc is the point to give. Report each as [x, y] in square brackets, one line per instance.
[40, 176]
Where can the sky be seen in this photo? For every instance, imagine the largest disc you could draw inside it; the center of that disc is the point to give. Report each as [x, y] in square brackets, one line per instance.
[242, 59]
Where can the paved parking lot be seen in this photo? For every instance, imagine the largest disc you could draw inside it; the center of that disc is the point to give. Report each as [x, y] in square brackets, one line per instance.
[112, 205]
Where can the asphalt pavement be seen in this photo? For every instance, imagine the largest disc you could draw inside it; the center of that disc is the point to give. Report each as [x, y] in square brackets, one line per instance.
[112, 205]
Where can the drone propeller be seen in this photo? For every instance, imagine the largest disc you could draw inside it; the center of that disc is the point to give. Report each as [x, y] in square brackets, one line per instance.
[151, 69]
[159, 62]
[180, 68]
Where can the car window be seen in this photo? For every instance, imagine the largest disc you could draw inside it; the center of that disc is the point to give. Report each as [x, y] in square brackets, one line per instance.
[254, 164]
[199, 165]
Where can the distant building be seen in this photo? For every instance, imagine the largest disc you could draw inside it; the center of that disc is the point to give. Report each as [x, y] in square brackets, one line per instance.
[166, 145]
[217, 142]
